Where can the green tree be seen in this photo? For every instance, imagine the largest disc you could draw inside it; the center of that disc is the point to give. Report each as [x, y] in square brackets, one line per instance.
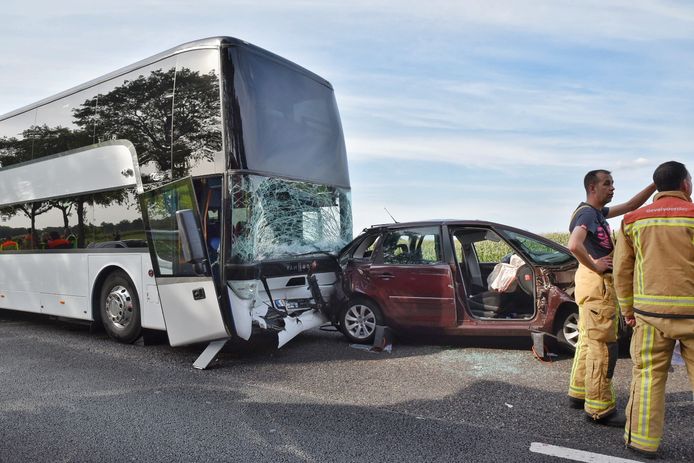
[140, 111]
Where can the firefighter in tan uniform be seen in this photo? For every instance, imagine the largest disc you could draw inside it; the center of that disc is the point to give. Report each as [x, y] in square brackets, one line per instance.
[654, 270]
[590, 384]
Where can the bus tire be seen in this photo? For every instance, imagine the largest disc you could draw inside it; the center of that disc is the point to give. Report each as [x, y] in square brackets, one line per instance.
[119, 308]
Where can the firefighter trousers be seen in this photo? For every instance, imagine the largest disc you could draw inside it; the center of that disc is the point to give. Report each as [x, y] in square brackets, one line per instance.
[652, 345]
[596, 351]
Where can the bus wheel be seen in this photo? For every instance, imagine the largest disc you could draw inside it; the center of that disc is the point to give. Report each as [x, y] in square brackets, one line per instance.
[120, 308]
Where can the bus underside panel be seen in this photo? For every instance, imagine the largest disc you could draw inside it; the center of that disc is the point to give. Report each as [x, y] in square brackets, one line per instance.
[283, 231]
[280, 304]
[191, 311]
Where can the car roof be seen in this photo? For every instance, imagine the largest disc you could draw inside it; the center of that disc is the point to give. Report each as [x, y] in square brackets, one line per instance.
[439, 222]
[458, 222]
[455, 222]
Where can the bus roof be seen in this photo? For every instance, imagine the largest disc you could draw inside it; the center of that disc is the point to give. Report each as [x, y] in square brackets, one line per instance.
[210, 42]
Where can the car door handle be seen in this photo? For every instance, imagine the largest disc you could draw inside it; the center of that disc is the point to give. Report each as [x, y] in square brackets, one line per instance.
[385, 275]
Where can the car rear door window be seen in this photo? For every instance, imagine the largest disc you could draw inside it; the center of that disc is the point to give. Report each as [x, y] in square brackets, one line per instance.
[412, 246]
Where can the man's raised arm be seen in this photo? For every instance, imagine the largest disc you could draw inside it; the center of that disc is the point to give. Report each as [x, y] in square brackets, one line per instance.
[634, 203]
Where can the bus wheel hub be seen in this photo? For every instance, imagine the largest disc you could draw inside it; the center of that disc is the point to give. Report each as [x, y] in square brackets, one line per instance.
[119, 306]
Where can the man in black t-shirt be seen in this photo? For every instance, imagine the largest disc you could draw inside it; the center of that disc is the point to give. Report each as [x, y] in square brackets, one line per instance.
[598, 241]
[590, 385]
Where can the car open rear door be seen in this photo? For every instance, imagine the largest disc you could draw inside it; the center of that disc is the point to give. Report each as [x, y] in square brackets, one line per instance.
[187, 291]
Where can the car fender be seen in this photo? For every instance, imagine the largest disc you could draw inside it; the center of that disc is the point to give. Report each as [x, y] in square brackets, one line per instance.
[551, 300]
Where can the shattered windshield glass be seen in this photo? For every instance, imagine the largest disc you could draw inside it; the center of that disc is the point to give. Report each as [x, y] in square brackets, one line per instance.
[539, 252]
[273, 218]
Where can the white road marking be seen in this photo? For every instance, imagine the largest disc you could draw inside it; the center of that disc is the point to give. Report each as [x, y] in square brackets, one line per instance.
[575, 455]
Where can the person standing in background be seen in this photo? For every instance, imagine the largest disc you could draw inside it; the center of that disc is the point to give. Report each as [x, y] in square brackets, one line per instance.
[654, 280]
[590, 384]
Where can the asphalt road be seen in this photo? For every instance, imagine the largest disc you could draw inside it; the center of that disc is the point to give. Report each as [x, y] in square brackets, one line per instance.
[70, 395]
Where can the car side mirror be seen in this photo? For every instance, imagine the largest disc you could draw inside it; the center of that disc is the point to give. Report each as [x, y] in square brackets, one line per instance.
[191, 242]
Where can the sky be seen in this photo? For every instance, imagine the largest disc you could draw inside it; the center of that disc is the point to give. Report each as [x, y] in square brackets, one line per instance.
[489, 109]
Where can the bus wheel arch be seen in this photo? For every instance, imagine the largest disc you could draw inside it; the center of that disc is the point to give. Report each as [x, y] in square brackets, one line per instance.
[116, 304]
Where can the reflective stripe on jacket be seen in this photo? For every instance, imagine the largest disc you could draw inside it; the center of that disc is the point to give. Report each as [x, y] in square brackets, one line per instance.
[654, 258]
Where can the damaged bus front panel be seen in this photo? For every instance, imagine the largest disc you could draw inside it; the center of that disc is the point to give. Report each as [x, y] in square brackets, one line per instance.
[287, 197]
[283, 232]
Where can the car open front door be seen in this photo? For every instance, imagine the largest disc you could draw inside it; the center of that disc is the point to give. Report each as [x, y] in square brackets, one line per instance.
[186, 287]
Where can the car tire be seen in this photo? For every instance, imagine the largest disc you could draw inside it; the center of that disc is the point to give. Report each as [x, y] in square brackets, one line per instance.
[567, 329]
[358, 321]
[119, 308]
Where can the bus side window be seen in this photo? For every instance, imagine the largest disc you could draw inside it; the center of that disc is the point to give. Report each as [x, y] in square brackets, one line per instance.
[210, 191]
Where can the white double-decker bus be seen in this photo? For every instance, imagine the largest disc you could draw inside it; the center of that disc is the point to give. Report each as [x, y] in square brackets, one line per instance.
[191, 192]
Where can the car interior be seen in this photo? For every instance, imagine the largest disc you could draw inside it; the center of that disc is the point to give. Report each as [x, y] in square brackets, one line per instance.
[482, 253]
[366, 248]
[416, 246]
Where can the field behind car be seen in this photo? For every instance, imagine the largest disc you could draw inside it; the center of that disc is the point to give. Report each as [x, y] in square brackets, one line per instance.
[491, 251]
[561, 238]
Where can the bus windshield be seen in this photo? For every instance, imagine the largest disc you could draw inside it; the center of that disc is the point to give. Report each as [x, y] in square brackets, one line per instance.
[290, 123]
[274, 218]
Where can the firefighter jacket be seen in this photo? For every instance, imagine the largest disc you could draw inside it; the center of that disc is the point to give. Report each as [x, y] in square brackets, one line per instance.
[654, 258]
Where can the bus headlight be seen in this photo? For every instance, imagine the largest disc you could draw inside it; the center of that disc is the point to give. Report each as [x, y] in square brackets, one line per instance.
[244, 289]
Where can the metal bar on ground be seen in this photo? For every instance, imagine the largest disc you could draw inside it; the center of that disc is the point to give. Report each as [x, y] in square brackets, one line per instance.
[209, 354]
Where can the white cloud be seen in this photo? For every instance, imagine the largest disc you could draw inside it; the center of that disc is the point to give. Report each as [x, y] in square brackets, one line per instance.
[540, 216]
[588, 20]
[503, 154]
[464, 151]
[629, 164]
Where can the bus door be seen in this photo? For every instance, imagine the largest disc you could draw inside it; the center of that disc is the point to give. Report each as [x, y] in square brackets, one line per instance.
[186, 287]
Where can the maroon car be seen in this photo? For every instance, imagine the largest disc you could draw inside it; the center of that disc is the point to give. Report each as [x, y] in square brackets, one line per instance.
[470, 278]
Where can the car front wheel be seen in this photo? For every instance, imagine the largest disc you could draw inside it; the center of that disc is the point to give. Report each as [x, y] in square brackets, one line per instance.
[359, 319]
[567, 334]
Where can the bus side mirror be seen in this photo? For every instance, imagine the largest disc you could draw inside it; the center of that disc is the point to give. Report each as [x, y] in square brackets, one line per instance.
[191, 242]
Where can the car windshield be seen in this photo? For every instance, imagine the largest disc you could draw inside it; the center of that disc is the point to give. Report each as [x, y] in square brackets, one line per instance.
[538, 251]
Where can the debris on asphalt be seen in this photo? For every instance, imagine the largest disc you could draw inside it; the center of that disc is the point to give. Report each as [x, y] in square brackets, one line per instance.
[387, 348]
